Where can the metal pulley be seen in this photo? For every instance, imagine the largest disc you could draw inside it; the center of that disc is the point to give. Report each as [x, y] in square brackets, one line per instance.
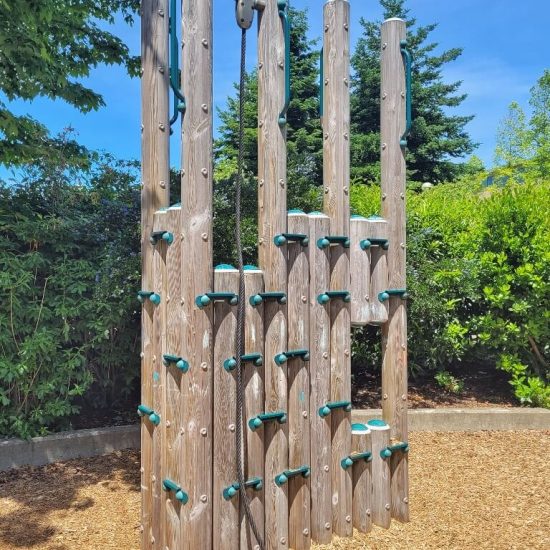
[244, 11]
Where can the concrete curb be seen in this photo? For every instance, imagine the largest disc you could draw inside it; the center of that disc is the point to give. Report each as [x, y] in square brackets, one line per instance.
[87, 443]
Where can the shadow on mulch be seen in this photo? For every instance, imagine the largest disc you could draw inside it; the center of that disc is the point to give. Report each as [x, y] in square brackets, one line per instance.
[54, 488]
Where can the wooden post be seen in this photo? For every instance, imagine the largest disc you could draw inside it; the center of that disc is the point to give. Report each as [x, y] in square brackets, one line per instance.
[359, 272]
[196, 221]
[381, 495]
[253, 382]
[362, 479]
[378, 311]
[272, 221]
[226, 511]
[298, 383]
[159, 286]
[336, 181]
[319, 351]
[154, 195]
[394, 332]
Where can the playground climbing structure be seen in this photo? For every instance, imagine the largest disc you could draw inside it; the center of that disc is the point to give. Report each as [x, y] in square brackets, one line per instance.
[254, 447]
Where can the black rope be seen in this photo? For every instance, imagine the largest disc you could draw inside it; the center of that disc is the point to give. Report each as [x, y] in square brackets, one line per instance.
[241, 305]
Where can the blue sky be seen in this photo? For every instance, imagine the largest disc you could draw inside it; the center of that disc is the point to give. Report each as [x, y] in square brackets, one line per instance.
[505, 51]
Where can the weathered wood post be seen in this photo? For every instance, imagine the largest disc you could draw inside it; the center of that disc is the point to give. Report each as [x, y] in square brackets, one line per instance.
[196, 222]
[272, 221]
[336, 174]
[154, 195]
[394, 332]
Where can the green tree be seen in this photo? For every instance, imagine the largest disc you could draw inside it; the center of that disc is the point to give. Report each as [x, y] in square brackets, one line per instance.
[540, 123]
[514, 139]
[46, 49]
[304, 140]
[437, 136]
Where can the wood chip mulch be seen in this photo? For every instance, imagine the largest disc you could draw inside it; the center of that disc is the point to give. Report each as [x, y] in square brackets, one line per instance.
[468, 490]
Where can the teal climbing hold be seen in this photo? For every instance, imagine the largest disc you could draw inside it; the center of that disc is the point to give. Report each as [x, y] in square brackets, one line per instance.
[348, 461]
[255, 358]
[326, 409]
[169, 486]
[386, 294]
[365, 244]
[285, 238]
[325, 242]
[260, 419]
[329, 295]
[283, 357]
[147, 412]
[254, 483]
[165, 236]
[283, 477]
[205, 299]
[261, 297]
[177, 361]
[386, 452]
[143, 295]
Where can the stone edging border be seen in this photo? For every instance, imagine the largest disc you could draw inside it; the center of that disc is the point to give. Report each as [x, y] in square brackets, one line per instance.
[87, 443]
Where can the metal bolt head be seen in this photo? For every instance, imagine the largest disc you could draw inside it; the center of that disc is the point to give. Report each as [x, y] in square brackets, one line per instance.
[153, 478]
[204, 172]
[346, 26]
[402, 94]
[281, 64]
[203, 432]
[182, 301]
[261, 240]
[384, 95]
[326, 28]
[283, 540]
[385, 396]
[306, 532]
[204, 498]
[260, 65]
[326, 468]
[182, 431]
[346, 352]
[304, 299]
[368, 512]
[161, 13]
[161, 126]
[142, 355]
[384, 196]
[261, 183]
[384, 45]
[404, 397]
[348, 519]
[326, 190]
[161, 70]
[204, 236]
[204, 107]
[231, 427]
[204, 42]
[326, 81]
[142, 469]
[406, 500]
[327, 525]
[387, 506]
[204, 366]
[152, 540]
[168, 424]
[402, 245]
[384, 146]
[304, 414]
[162, 184]
[325, 355]
[281, 183]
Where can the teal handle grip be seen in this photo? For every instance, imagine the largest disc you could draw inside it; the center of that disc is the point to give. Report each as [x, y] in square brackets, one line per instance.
[365, 244]
[385, 295]
[257, 421]
[179, 493]
[283, 14]
[157, 236]
[229, 492]
[179, 99]
[349, 461]
[179, 362]
[386, 452]
[143, 295]
[326, 241]
[325, 410]
[407, 61]
[205, 299]
[283, 477]
[326, 297]
[255, 358]
[282, 358]
[149, 413]
[284, 238]
[259, 298]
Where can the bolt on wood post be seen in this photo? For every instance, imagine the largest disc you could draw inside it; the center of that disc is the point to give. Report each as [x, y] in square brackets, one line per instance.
[197, 259]
[394, 332]
[154, 195]
[272, 221]
[336, 175]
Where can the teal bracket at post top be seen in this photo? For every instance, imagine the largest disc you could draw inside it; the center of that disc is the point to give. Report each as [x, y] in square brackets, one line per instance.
[321, 83]
[407, 61]
[329, 407]
[179, 99]
[386, 452]
[260, 419]
[282, 478]
[365, 244]
[255, 358]
[205, 299]
[180, 363]
[149, 413]
[261, 297]
[326, 241]
[355, 457]
[283, 14]
[157, 236]
[385, 295]
[143, 295]
[171, 487]
[326, 297]
[283, 357]
[285, 238]
[254, 482]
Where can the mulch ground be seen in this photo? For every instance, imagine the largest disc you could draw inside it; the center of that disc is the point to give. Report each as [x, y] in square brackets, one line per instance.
[468, 490]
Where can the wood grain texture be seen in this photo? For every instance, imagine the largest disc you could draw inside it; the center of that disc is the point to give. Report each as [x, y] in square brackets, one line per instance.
[381, 492]
[362, 481]
[299, 495]
[160, 287]
[360, 268]
[336, 157]
[173, 445]
[225, 512]
[253, 381]
[378, 311]
[196, 198]
[272, 220]
[394, 332]
[319, 351]
[154, 195]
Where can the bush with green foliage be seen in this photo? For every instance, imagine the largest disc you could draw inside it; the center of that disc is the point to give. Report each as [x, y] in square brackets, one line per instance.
[69, 266]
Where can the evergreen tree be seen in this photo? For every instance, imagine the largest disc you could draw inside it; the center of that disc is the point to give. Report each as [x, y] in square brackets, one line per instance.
[304, 141]
[437, 136]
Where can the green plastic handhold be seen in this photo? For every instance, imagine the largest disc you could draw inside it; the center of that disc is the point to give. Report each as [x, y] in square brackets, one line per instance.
[325, 410]
[365, 244]
[143, 295]
[326, 297]
[157, 236]
[149, 413]
[388, 451]
[257, 421]
[230, 364]
[179, 362]
[283, 477]
[348, 461]
[261, 297]
[255, 483]
[255, 358]
[326, 241]
[205, 299]
[284, 238]
[169, 486]
[283, 357]
[385, 295]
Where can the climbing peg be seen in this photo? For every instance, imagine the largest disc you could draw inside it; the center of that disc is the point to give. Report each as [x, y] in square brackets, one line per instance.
[179, 362]
[325, 410]
[205, 299]
[257, 421]
[326, 297]
[255, 483]
[283, 357]
[255, 358]
[385, 295]
[348, 461]
[143, 295]
[259, 298]
[365, 244]
[283, 477]
[149, 413]
[285, 238]
[386, 452]
[325, 242]
[169, 486]
[157, 236]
